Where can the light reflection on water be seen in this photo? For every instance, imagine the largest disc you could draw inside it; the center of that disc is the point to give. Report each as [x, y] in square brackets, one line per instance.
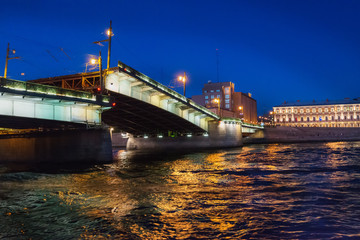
[296, 191]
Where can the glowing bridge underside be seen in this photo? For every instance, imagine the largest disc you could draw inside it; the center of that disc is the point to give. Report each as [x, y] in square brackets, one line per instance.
[144, 106]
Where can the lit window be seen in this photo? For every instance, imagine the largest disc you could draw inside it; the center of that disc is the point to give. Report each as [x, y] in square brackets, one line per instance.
[206, 97]
[227, 105]
[227, 101]
[212, 91]
[307, 110]
[227, 90]
[212, 96]
[227, 96]
[206, 101]
[218, 90]
[218, 96]
[314, 110]
[301, 111]
[205, 91]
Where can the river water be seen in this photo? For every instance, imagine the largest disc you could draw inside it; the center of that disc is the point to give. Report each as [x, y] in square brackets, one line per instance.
[274, 191]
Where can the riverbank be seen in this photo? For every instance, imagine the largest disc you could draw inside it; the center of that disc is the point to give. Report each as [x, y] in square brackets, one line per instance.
[303, 134]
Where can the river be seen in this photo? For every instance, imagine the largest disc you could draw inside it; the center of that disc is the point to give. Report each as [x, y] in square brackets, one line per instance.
[273, 191]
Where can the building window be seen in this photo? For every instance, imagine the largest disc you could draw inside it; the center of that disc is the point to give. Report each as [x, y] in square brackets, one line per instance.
[227, 96]
[227, 90]
[205, 91]
[314, 110]
[212, 96]
[326, 109]
[295, 111]
[301, 110]
[314, 119]
[211, 90]
[320, 110]
[308, 119]
[332, 109]
[307, 110]
[227, 105]
[357, 108]
[218, 90]
[302, 119]
[227, 101]
[206, 97]
[218, 96]
[338, 109]
[206, 101]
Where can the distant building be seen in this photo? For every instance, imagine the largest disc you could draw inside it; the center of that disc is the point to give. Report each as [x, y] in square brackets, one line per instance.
[232, 104]
[342, 113]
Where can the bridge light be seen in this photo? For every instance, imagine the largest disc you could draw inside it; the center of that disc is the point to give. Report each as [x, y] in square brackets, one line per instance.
[113, 104]
[98, 89]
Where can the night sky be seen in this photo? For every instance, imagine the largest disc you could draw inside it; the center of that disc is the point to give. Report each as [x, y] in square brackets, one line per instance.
[277, 50]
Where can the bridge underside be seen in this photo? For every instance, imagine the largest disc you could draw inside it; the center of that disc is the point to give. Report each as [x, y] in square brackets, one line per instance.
[33, 123]
[138, 117]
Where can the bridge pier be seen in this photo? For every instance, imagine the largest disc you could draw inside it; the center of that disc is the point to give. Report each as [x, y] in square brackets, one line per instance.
[221, 134]
[86, 146]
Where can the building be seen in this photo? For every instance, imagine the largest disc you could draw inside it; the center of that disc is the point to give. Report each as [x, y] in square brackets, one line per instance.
[232, 104]
[341, 113]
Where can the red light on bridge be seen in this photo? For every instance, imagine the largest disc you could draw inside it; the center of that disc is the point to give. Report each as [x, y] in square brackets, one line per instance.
[98, 89]
[113, 104]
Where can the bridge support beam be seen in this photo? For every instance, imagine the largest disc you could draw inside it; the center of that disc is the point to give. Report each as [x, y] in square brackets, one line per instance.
[81, 146]
[221, 134]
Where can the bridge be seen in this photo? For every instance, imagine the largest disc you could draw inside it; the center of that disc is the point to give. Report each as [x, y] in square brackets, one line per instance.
[144, 107]
[154, 115]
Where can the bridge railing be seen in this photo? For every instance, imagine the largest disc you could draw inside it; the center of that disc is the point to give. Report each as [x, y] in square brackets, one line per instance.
[48, 90]
[164, 89]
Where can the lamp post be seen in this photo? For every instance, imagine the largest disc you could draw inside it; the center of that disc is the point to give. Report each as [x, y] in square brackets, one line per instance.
[241, 112]
[217, 100]
[8, 58]
[99, 61]
[183, 79]
[272, 117]
[110, 34]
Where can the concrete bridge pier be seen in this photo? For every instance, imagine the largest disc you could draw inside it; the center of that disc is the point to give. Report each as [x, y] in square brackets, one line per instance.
[221, 134]
[76, 146]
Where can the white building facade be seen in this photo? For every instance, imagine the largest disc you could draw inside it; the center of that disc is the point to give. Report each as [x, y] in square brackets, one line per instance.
[343, 113]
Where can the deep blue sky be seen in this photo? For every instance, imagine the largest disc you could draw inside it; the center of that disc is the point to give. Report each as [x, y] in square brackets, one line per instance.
[277, 50]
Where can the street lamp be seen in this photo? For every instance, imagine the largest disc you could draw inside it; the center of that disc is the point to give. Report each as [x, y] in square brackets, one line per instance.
[217, 100]
[183, 79]
[9, 58]
[241, 112]
[99, 61]
[110, 34]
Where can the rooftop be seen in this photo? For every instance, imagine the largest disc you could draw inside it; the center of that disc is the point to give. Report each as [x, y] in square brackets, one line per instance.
[326, 102]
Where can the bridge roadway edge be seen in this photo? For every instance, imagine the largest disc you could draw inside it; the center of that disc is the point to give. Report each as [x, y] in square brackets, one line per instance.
[220, 135]
[75, 146]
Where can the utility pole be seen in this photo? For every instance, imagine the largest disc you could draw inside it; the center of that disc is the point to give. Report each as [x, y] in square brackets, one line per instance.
[109, 33]
[8, 58]
[109, 48]
[101, 77]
